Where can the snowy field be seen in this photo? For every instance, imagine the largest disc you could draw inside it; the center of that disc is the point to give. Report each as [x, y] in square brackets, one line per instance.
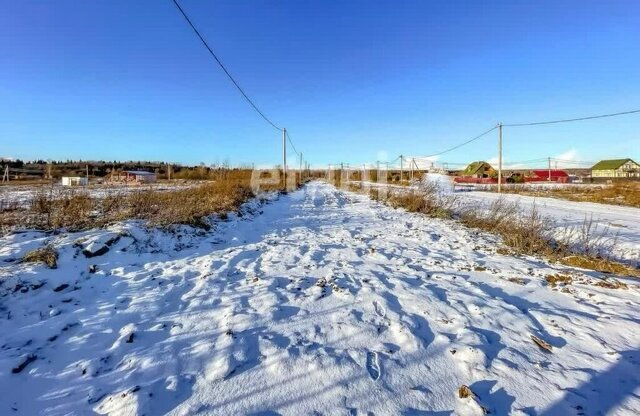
[22, 195]
[617, 227]
[617, 223]
[319, 302]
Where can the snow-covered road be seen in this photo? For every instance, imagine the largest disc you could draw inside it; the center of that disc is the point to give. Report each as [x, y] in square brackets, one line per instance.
[324, 303]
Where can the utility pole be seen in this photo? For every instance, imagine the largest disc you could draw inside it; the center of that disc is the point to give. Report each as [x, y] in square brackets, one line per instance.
[87, 167]
[300, 173]
[549, 179]
[401, 169]
[411, 166]
[499, 157]
[284, 158]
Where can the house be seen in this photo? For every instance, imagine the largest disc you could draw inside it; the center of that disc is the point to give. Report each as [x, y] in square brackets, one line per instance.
[616, 168]
[478, 169]
[552, 175]
[135, 176]
[74, 181]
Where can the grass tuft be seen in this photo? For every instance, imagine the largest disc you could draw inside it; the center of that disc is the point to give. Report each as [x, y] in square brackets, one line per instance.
[46, 255]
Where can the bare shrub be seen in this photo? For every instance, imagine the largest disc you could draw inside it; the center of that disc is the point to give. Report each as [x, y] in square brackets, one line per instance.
[611, 284]
[522, 232]
[76, 210]
[593, 240]
[46, 255]
[555, 279]
[427, 200]
[525, 233]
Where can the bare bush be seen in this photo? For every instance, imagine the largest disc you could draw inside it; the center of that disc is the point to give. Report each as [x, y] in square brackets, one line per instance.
[76, 210]
[523, 232]
[46, 255]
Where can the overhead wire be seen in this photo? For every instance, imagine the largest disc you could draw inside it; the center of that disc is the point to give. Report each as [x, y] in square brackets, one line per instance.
[206, 45]
[568, 120]
[226, 71]
[462, 144]
[537, 123]
[291, 142]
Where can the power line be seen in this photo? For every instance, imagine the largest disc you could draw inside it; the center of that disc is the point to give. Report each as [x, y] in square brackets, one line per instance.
[462, 144]
[204, 42]
[537, 123]
[528, 124]
[291, 142]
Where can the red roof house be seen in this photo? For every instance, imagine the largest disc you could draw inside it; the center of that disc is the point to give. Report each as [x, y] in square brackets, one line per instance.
[554, 175]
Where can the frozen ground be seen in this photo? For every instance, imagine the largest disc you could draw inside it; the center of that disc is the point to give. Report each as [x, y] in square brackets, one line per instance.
[320, 302]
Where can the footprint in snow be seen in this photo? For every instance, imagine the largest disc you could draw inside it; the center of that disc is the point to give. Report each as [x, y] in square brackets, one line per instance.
[373, 365]
[380, 310]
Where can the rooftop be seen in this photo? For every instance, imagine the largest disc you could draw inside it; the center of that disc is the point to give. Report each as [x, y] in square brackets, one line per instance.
[139, 172]
[610, 164]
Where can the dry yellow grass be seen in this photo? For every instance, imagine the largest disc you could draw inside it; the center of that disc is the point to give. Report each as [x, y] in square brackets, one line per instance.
[76, 210]
[599, 264]
[559, 279]
[46, 255]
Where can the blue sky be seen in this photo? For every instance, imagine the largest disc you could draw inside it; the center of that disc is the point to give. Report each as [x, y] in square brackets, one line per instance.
[352, 81]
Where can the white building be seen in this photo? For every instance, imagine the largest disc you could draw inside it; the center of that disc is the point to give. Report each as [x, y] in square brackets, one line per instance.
[74, 181]
[616, 168]
[135, 176]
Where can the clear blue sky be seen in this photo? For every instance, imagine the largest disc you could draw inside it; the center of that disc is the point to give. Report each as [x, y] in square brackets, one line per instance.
[351, 80]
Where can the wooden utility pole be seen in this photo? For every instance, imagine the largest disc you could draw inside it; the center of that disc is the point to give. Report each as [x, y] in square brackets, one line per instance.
[499, 157]
[284, 157]
[549, 179]
[300, 167]
[411, 166]
[87, 173]
[401, 169]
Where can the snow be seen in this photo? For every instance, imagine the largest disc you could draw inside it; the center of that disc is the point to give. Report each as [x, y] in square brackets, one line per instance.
[318, 302]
